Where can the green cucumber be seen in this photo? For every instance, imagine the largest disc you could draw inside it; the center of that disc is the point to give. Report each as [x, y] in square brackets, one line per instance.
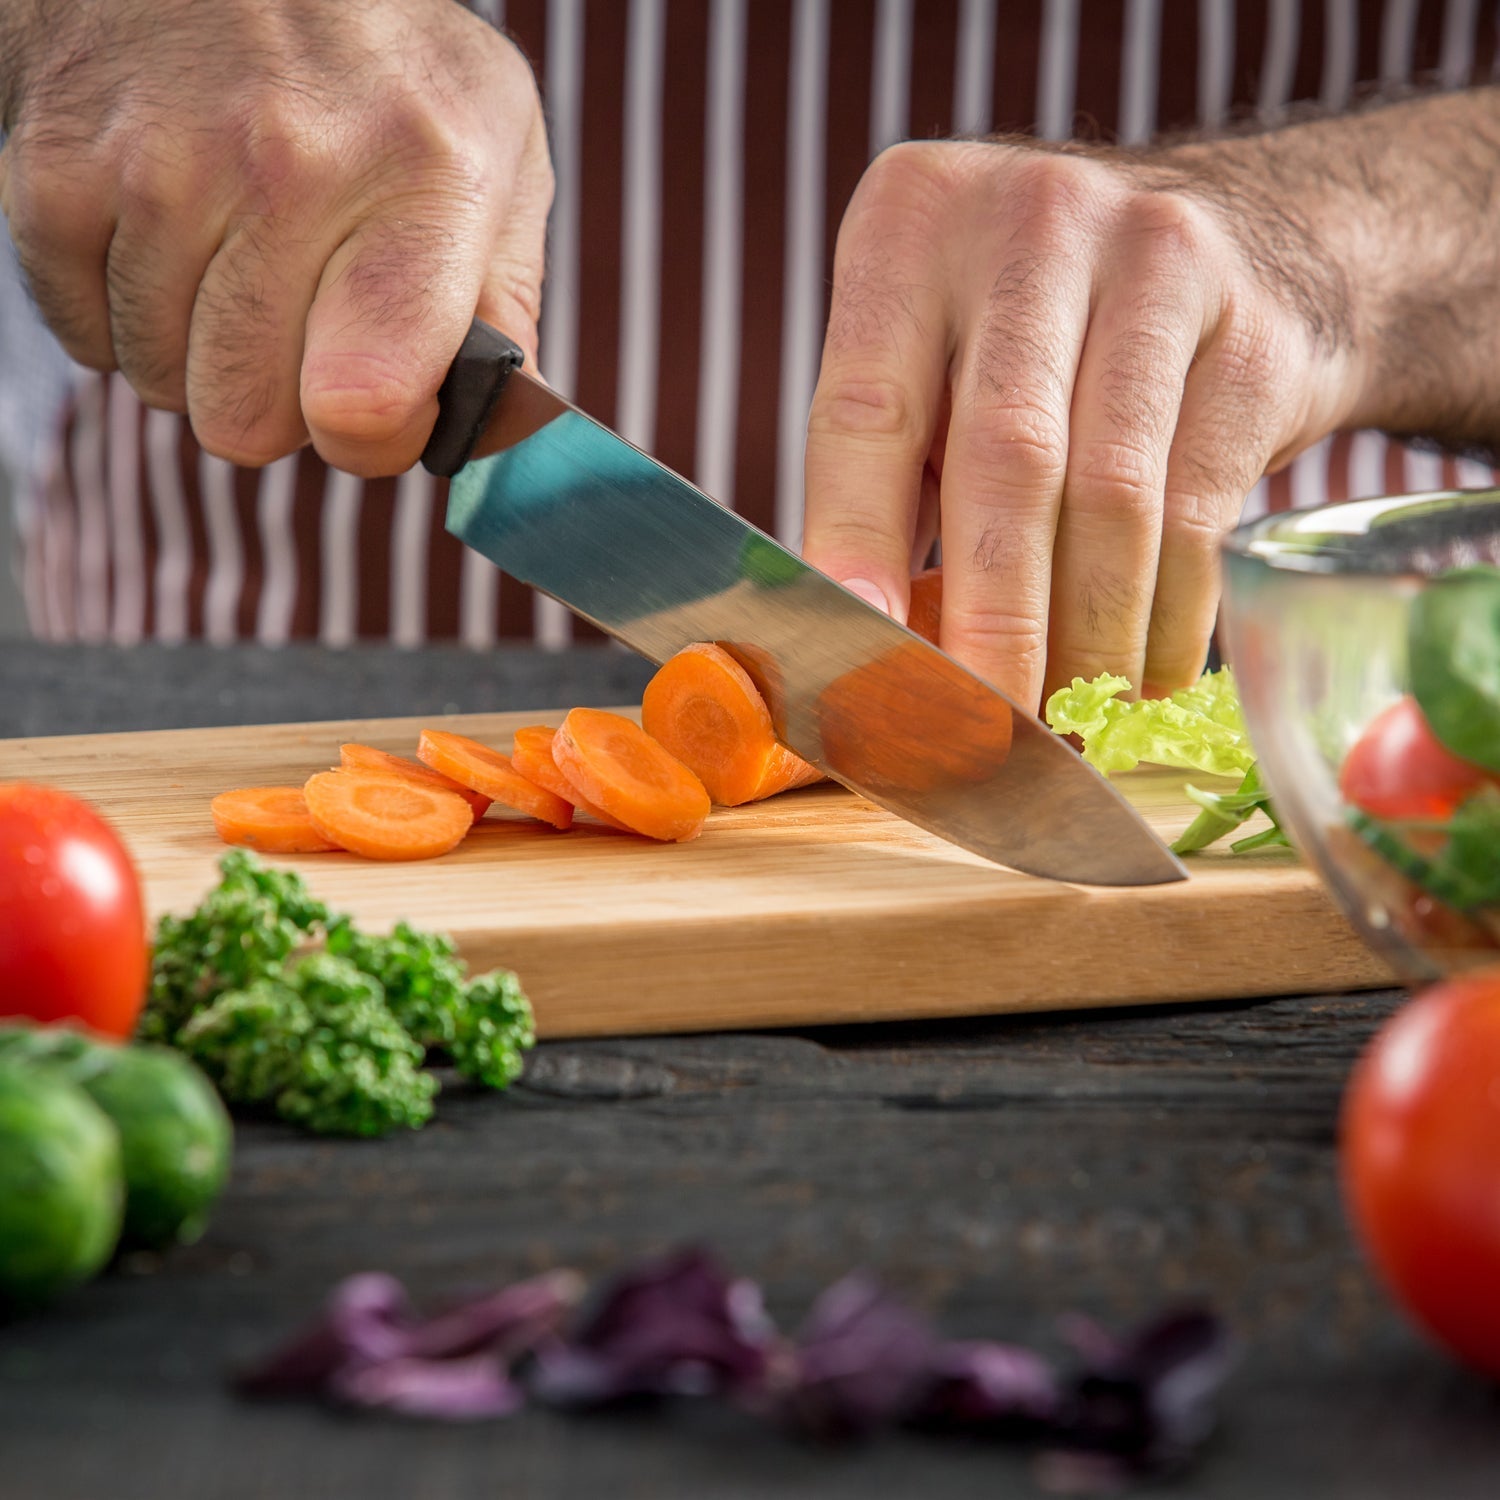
[62, 1185]
[175, 1133]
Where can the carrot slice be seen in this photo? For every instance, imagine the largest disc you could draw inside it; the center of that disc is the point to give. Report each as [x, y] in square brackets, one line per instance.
[487, 771]
[785, 772]
[899, 687]
[273, 819]
[619, 767]
[368, 758]
[386, 817]
[531, 755]
[925, 612]
[706, 710]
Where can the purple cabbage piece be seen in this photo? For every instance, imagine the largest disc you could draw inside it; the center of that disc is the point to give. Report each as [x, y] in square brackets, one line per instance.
[990, 1388]
[863, 1360]
[370, 1349]
[366, 1319]
[510, 1322]
[447, 1390]
[1139, 1405]
[675, 1326]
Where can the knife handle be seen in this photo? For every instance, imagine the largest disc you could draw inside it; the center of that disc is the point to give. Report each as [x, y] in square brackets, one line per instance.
[468, 395]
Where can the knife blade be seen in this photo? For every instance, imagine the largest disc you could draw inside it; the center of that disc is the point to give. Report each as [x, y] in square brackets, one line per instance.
[571, 508]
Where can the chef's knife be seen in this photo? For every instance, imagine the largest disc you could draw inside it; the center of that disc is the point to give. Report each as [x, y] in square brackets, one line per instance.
[571, 508]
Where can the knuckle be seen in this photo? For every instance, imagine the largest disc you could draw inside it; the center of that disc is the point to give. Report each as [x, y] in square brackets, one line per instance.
[241, 417]
[994, 632]
[1175, 230]
[854, 534]
[1118, 475]
[1023, 446]
[866, 406]
[160, 178]
[1050, 196]
[906, 175]
[285, 156]
[1194, 524]
[430, 148]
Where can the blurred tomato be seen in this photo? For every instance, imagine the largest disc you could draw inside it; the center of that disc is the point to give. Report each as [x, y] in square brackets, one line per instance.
[72, 923]
[1399, 768]
[1421, 1161]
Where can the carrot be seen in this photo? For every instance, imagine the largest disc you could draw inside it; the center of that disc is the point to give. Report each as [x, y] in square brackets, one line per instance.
[386, 817]
[900, 688]
[925, 612]
[704, 707]
[368, 758]
[619, 767]
[531, 755]
[488, 771]
[273, 819]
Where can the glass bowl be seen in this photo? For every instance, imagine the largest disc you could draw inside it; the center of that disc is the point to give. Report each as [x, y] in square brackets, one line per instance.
[1333, 618]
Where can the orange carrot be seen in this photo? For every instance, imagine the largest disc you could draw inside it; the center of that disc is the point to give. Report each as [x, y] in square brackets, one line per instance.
[386, 817]
[273, 819]
[619, 767]
[705, 708]
[489, 772]
[925, 612]
[368, 758]
[531, 755]
[898, 688]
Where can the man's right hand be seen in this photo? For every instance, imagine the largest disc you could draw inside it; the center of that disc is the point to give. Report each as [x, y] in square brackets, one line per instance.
[277, 216]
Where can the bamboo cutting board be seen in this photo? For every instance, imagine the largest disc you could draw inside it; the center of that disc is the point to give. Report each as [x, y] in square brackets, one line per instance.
[813, 907]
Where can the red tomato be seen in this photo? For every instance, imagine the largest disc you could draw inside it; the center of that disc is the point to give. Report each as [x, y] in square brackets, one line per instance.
[1420, 1158]
[1399, 768]
[72, 923]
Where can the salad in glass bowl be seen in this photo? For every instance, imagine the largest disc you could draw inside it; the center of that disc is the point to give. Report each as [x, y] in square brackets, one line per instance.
[1365, 638]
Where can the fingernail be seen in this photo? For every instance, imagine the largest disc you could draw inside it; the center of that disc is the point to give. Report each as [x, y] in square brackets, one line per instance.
[870, 593]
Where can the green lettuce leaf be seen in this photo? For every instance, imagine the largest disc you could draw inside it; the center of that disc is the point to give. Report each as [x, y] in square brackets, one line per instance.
[1199, 728]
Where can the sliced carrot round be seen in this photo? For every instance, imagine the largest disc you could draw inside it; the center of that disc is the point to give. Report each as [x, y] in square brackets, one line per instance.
[488, 771]
[785, 772]
[619, 767]
[368, 758]
[531, 755]
[273, 819]
[924, 614]
[386, 817]
[707, 711]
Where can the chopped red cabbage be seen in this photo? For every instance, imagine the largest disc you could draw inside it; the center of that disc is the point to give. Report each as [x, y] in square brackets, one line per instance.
[675, 1326]
[862, 1361]
[1135, 1407]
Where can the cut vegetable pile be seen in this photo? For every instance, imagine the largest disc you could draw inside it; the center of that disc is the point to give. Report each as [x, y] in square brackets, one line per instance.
[707, 738]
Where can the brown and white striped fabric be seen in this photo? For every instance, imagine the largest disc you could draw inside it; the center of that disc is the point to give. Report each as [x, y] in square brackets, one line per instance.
[705, 150]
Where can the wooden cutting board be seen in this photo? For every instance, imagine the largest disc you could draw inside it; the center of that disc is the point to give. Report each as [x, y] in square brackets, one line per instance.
[813, 907]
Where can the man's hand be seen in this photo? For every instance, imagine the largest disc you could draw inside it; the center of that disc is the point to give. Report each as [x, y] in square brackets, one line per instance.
[1078, 364]
[278, 216]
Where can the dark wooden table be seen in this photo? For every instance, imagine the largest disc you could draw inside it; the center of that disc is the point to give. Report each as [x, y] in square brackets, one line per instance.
[999, 1173]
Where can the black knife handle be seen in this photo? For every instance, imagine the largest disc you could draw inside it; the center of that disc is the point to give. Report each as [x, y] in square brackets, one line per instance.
[468, 395]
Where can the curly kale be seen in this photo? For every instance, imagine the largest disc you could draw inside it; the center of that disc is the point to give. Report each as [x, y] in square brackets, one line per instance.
[334, 1040]
[495, 1027]
[420, 972]
[244, 930]
[319, 1046]
[483, 1024]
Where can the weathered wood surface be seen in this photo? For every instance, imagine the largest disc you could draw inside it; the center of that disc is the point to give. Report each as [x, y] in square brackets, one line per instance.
[999, 1172]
